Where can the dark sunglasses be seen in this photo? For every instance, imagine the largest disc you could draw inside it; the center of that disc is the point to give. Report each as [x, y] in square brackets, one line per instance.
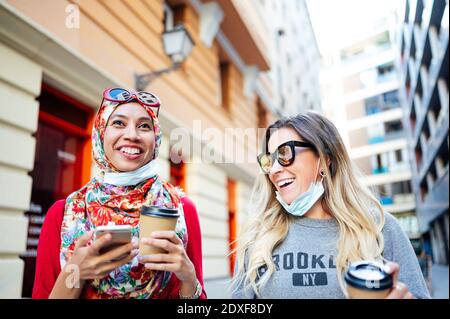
[123, 95]
[284, 154]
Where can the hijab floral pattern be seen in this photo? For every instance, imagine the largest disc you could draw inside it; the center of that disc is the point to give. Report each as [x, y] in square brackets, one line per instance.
[98, 203]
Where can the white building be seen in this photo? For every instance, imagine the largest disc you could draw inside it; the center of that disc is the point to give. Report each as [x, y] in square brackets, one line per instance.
[295, 59]
[360, 95]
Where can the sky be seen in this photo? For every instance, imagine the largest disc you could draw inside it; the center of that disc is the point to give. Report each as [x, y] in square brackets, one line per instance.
[337, 22]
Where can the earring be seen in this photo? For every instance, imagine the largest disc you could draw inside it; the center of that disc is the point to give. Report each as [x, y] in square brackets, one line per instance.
[322, 173]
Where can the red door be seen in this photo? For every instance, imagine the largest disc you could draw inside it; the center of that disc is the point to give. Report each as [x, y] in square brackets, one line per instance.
[178, 175]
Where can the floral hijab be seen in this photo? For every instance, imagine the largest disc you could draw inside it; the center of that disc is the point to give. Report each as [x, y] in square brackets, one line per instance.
[98, 203]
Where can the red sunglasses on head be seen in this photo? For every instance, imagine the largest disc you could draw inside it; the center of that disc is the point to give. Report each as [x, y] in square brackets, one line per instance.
[123, 95]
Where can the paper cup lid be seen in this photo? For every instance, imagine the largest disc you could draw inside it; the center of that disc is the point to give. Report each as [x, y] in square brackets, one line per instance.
[158, 211]
[368, 275]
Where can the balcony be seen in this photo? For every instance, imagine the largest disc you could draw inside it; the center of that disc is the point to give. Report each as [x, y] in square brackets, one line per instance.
[375, 52]
[374, 109]
[435, 201]
[366, 93]
[399, 203]
[415, 11]
[387, 137]
[426, 13]
[387, 77]
[383, 102]
[386, 200]
[378, 117]
[435, 144]
[435, 161]
[412, 67]
[386, 178]
[418, 37]
[444, 25]
[376, 139]
[424, 77]
[244, 28]
[380, 170]
[379, 148]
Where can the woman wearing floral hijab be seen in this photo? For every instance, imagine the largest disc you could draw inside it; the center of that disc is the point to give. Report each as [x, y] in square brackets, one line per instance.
[126, 137]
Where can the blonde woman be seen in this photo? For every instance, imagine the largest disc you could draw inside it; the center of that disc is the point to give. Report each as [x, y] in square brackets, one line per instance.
[310, 217]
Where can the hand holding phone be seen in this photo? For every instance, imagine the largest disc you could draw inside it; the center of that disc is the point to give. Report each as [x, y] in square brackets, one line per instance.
[92, 264]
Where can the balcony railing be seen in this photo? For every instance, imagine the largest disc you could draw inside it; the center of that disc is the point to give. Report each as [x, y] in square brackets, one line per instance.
[398, 203]
[386, 200]
[387, 137]
[380, 170]
[381, 108]
[387, 77]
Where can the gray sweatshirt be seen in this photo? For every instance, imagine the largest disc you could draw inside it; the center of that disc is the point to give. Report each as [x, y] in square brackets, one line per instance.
[305, 262]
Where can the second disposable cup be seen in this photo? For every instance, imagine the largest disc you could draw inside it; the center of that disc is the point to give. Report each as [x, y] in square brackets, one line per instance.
[367, 280]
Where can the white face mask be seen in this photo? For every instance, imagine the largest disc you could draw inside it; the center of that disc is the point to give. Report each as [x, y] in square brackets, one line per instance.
[134, 177]
[303, 203]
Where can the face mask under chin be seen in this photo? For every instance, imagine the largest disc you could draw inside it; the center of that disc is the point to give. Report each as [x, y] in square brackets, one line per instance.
[303, 203]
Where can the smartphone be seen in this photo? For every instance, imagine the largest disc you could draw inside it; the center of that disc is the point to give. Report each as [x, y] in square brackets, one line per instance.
[120, 235]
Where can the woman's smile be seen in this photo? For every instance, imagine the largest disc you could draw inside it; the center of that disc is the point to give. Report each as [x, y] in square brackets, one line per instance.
[286, 185]
[130, 152]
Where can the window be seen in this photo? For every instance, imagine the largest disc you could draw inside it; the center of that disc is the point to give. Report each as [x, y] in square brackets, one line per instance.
[372, 105]
[398, 156]
[262, 114]
[423, 190]
[225, 89]
[391, 98]
[385, 68]
[178, 174]
[394, 126]
[232, 220]
[418, 153]
[412, 117]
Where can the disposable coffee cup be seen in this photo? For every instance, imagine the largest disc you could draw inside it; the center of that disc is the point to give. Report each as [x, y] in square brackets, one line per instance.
[154, 218]
[367, 280]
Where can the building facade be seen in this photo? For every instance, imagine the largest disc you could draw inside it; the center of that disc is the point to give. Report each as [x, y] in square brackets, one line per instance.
[52, 73]
[361, 96]
[295, 57]
[422, 62]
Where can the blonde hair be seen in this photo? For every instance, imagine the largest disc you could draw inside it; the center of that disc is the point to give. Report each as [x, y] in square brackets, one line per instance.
[357, 211]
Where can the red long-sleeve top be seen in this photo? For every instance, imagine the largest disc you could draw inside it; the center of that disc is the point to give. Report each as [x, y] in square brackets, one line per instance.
[48, 264]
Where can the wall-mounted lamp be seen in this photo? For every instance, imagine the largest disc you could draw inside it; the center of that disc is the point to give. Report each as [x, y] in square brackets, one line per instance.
[178, 44]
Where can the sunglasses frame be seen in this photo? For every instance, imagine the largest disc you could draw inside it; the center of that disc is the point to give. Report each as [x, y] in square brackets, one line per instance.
[274, 155]
[133, 96]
